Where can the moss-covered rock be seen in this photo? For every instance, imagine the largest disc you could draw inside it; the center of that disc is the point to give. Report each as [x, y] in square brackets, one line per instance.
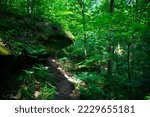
[32, 35]
[26, 40]
[4, 50]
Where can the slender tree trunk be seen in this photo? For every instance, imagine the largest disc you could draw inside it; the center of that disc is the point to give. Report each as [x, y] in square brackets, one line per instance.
[110, 48]
[112, 5]
[81, 4]
[128, 59]
[129, 71]
[109, 62]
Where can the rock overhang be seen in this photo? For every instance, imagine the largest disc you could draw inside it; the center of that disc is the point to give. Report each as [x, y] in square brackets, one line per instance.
[31, 35]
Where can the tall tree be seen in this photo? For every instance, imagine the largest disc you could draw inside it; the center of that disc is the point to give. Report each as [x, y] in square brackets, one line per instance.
[82, 7]
[110, 48]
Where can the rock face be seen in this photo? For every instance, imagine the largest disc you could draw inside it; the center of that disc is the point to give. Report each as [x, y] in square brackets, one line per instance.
[26, 40]
[32, 35]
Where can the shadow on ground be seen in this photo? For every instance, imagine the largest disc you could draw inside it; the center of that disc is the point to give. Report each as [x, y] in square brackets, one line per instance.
[65, 88]
[63, 83]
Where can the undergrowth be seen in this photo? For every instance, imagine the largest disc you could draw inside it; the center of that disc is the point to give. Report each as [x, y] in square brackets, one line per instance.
[36, 83]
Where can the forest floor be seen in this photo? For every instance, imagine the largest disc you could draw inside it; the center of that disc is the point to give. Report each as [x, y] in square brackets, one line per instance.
[64, 82]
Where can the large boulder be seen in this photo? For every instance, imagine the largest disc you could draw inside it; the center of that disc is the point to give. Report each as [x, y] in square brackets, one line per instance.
[33, 35]
[24, 40]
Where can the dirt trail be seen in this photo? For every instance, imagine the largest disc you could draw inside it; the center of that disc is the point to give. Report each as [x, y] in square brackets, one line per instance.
[64, 83]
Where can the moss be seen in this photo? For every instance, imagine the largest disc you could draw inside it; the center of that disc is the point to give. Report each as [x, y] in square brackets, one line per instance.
[4, 50]
[69, 35]
[32, 35]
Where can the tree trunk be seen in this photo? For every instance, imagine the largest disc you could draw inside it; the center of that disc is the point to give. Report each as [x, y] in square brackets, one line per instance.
[129, 71]
[129, 66]
[81, 4]
[109, 62]
[110, 48]
[112, 5]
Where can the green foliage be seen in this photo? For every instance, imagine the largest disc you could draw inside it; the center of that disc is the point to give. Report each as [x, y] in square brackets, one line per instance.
[36, 79]
[98, 87]
[32, 34]
[116, 41]
[147, 97]
[93, 86]
[121, 37]
[48, 92]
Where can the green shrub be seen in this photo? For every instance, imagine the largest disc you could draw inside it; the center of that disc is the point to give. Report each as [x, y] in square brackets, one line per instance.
[93, 88]
[36, 79]
[147, 97]
[47, 91]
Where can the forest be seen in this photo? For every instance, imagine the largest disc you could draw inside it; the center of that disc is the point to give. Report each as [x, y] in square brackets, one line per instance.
[75, 49]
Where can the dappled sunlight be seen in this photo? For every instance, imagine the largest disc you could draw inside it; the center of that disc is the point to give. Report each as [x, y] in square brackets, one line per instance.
[74, 49]
[64, 83]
